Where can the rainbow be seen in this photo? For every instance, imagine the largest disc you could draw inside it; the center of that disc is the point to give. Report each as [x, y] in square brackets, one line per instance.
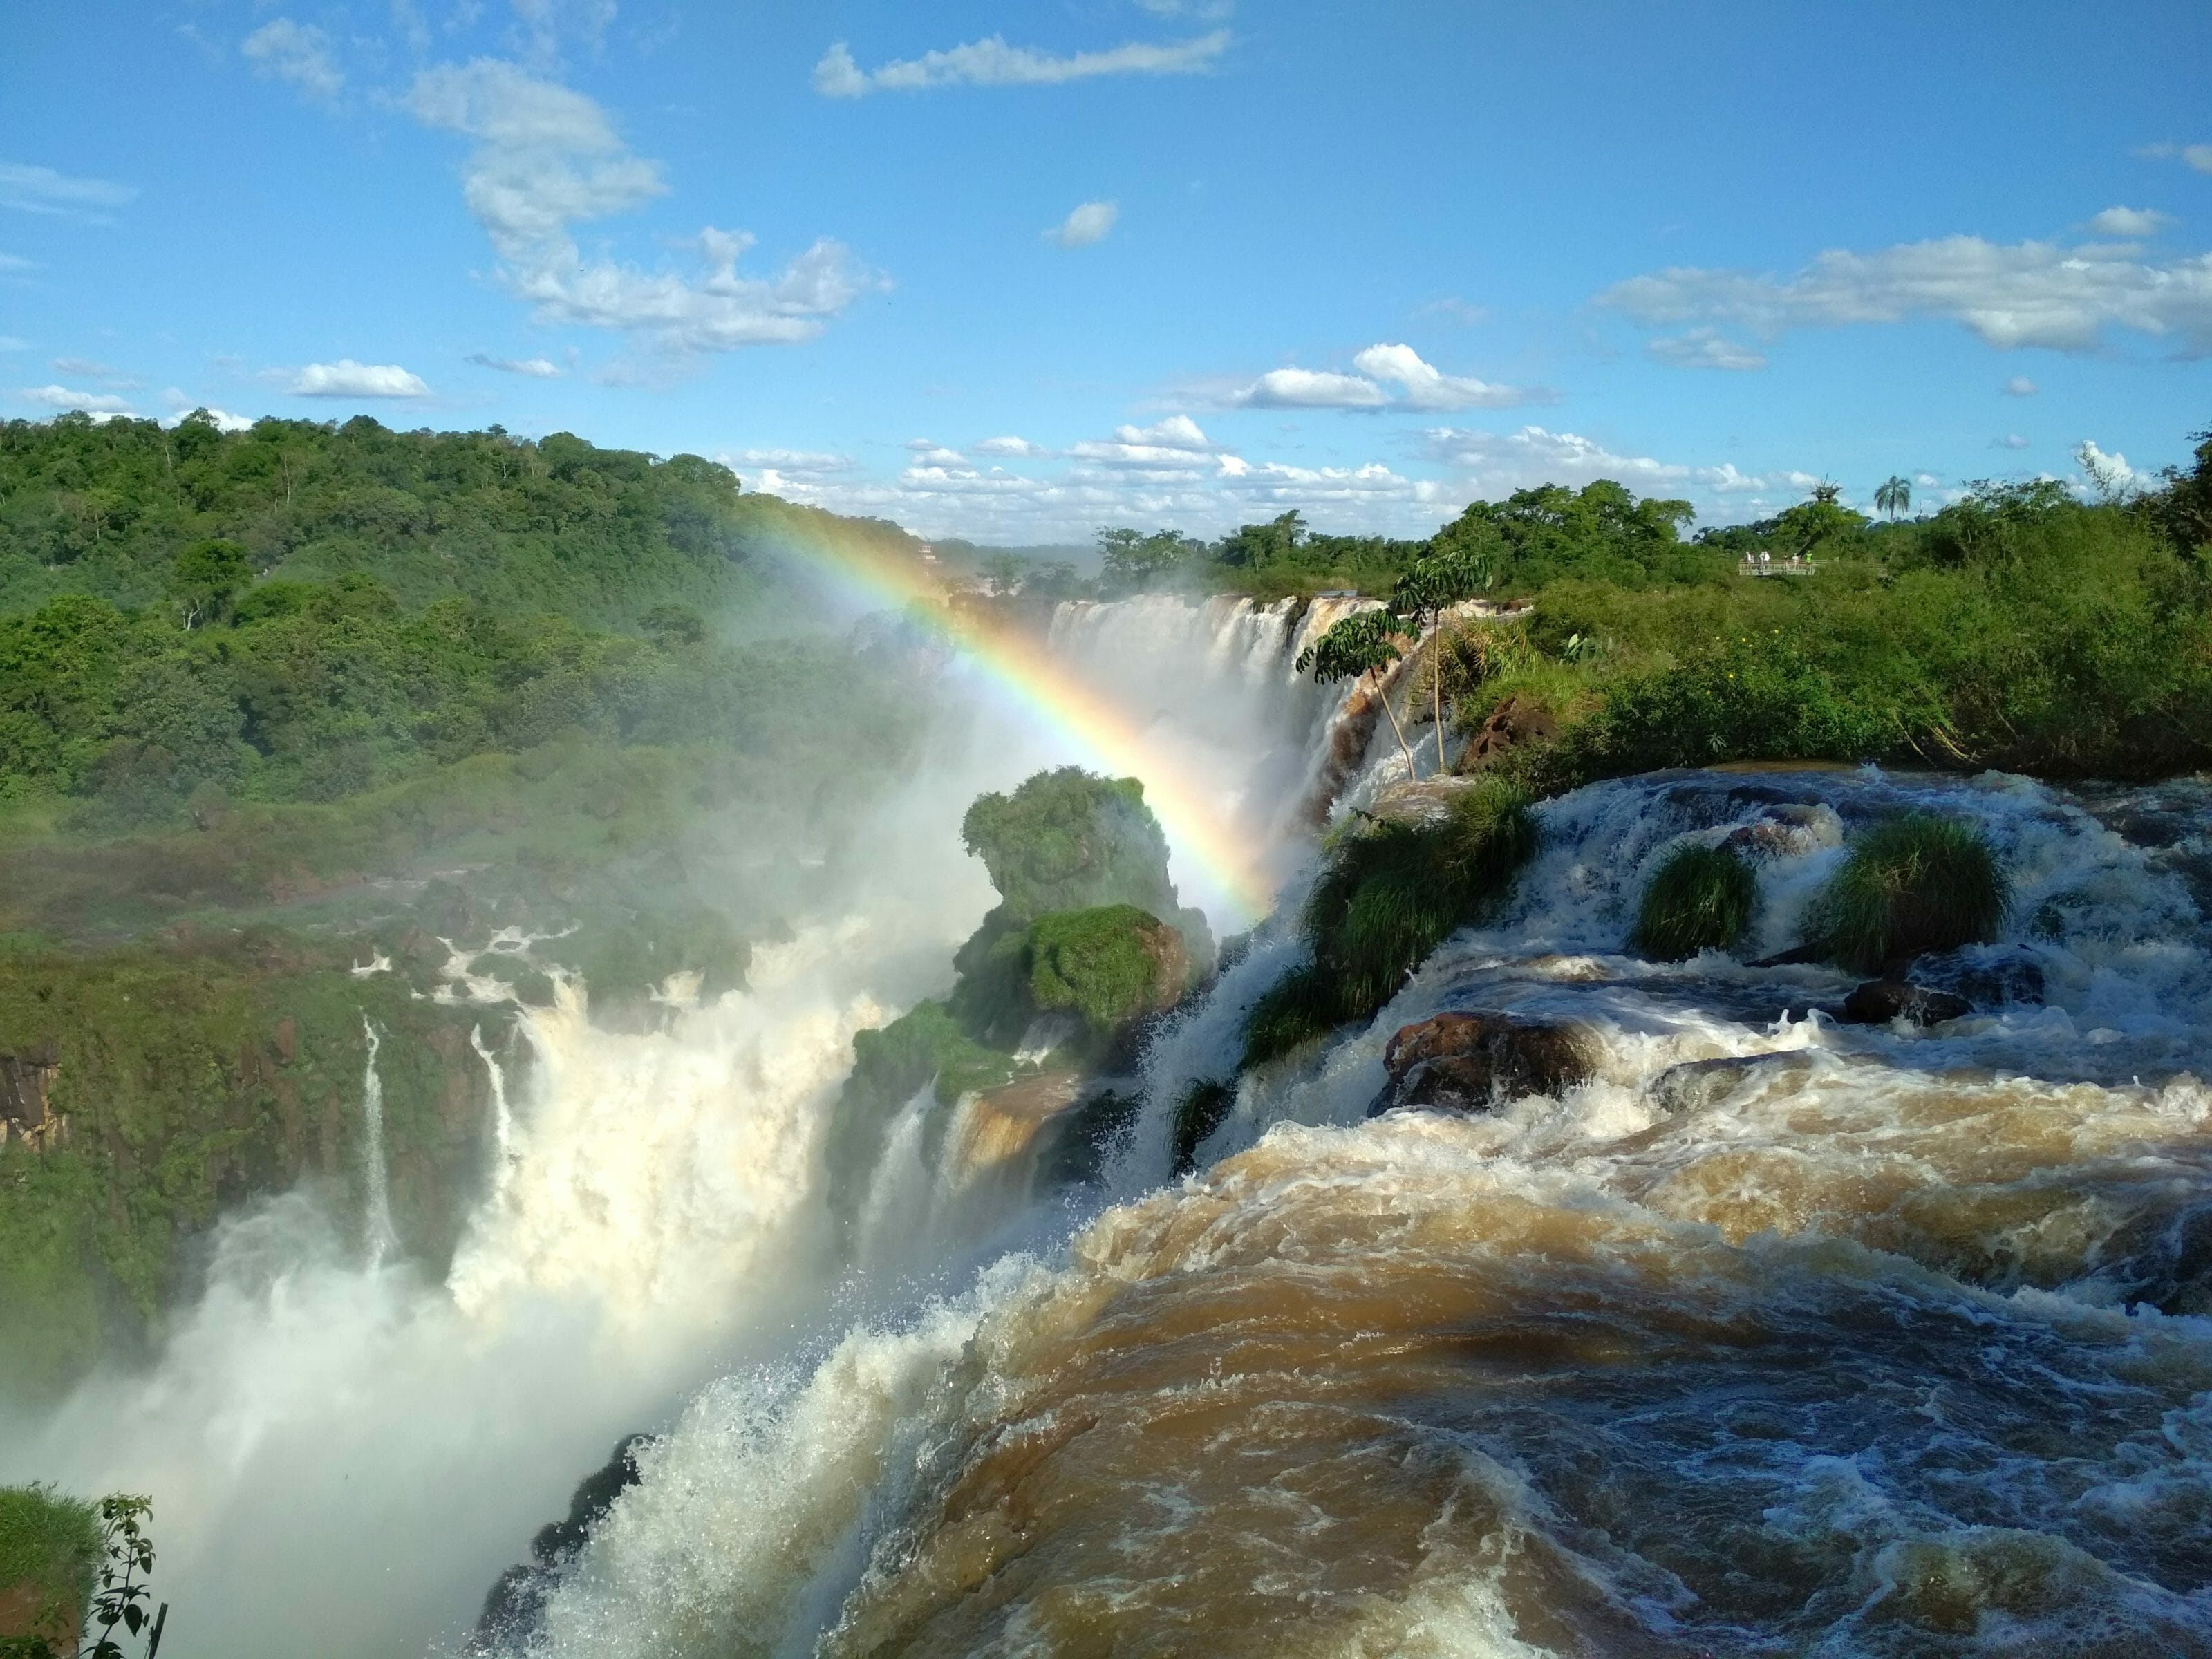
[1105, 738]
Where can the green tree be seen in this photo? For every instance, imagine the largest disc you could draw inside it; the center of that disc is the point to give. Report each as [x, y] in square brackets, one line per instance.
[1005, 572]
[1451, 572]
[1131, 559]
[1361, 645]
[1893, 496]
[1819, 519]
[207, 576]
[1256, 546]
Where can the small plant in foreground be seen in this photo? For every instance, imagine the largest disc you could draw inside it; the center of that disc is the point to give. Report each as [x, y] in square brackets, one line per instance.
[1700, 898]
[1912, 884]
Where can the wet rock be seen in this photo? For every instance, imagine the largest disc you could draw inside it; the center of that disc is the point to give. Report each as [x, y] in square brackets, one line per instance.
[1516, 723]
[1698, 1084]
[1471, 1062]
[1786, 830]
[1879, 1001]
[2016, 977]
[515, 1611]
[1203, 1109]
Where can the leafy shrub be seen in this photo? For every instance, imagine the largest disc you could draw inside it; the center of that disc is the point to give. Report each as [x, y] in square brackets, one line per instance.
[1912, 884]
[1109, 964]
[1388, 898]
[1700, 898]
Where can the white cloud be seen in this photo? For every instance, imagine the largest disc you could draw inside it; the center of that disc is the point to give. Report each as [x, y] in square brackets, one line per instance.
[14, 262]
[547, 157]
[42, 189]
[1308, 388]
[540, 368]
[1174, 445]
[2012, 440]
[1705, 348]
[810, 461]
[1420, 386]
[1009, 445]
[283, 49]
[2129, 222]
[928, 453]
[348, 378]
[60, 397]
[221, 419]
[2028, 293]
[543, 23]
[1497, 464]
[82, 365]
[1454, 309]
[2107, 475]
[992, 62]
[2199, 156]
[2020, 387]
[1089, 223]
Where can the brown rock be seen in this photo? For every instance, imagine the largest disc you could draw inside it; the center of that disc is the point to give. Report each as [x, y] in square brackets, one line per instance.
[1470, 1061]
[1516, 723]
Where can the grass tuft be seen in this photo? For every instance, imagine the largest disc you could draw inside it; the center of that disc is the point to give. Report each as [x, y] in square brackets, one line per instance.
[1912, 884]
[1388, 898]
[1700, 898]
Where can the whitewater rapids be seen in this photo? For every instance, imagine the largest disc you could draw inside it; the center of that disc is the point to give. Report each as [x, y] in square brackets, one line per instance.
[1873, 1341]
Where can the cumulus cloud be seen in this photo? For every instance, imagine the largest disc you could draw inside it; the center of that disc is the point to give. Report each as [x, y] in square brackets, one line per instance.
[1009, 445]
[222, 420]
[2108, 475]
[928, 453]
[541, 368]
[788, 460]
[2012, 440]
[2027, 294]
[61, 397]
[1089, 223]
[300, 53]
[992, 63]
[547, 157]
[1705, 348]
[1419, 385]
[2020, 386]
[2129, 222]
[41, 190]
[83, 366]
[348, 378]
[1175, 444]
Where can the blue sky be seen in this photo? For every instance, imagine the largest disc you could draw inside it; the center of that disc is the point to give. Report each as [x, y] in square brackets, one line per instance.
[1013, 271]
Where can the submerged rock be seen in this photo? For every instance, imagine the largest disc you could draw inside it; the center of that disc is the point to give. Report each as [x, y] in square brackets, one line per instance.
[1696, 1084]
[1879, 1001]
[1787, 829]
[1470, 1061]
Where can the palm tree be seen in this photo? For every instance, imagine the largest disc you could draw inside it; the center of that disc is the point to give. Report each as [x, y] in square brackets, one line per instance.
[1893, 497]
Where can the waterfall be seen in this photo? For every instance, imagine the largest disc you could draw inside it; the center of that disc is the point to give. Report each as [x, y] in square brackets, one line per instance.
[502, 1118]
[380, 1239]
[1910, 1323]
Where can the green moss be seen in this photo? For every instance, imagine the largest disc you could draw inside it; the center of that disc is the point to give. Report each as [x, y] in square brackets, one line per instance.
[1387, 898]
[50, 1545]
[1700, 898]
[194, 1076]
[1912, 884]
[1109, 964]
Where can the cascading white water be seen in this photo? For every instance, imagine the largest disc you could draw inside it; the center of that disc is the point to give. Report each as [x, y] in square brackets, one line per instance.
[379, 1238]
[381, 1446]
[503, 1114]
[1439, 1384]
[1417, 1384]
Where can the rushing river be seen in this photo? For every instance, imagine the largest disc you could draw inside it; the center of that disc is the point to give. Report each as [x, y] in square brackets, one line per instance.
[1776, 1336]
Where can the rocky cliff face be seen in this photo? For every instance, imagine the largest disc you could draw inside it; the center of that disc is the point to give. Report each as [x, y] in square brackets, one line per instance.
[145, 1089]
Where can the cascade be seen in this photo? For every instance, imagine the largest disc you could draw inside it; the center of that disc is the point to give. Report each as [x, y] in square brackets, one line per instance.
[502, 1115]
[1911, 1321]
[380, 1239]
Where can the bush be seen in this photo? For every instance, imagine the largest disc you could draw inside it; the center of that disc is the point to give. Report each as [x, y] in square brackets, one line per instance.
[1700, 898]
[1109, 964]
[1912, 884]
[1388, 898]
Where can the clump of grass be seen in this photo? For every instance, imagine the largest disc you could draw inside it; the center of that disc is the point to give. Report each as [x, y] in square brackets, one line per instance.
[50, 1547]
[1700, 898]
[1912, 884]
[1389, 897]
